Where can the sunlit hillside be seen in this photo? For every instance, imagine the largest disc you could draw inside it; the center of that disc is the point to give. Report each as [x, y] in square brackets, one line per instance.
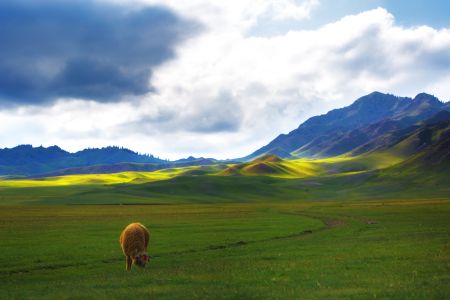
[268, 165]
[95, 179]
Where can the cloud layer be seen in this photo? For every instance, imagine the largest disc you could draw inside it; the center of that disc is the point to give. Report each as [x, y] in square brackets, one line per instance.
[82, 49]
[227, 93]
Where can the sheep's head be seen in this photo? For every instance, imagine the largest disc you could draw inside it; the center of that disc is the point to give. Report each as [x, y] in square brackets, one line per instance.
[141, 259]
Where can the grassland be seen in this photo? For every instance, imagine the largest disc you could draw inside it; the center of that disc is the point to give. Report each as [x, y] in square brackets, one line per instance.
[339, 250]
[338, 228]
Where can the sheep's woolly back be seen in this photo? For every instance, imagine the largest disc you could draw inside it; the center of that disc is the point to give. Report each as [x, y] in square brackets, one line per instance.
[134, 240]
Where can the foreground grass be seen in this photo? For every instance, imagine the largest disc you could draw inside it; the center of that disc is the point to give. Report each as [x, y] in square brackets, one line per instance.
[313, 250]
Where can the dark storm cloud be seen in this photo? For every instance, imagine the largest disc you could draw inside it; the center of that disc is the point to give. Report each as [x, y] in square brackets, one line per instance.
[220, 113]
[83, 49]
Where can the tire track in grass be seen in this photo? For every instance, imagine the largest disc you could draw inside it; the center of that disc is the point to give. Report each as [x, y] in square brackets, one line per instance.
[328, 222]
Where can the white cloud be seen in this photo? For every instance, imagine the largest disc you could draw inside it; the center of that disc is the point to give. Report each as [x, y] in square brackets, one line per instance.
[286, 10]
[238, 15]
[228, 93]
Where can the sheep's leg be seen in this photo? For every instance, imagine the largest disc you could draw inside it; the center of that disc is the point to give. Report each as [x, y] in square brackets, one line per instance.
[146, 237]
[129, 261]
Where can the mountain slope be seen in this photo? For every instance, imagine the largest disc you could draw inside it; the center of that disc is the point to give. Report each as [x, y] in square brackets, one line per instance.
[342, 130]
[428, 149]
[400, 140]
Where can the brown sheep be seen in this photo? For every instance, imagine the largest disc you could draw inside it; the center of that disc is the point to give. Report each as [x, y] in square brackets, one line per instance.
[134, 241]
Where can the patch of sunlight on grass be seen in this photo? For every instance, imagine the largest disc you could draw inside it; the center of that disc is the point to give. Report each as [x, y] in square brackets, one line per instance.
[92, 179]
[306, 167]
[281, 169]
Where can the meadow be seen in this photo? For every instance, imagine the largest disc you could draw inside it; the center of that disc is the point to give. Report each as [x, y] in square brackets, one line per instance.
[314, 234]
[347, 250]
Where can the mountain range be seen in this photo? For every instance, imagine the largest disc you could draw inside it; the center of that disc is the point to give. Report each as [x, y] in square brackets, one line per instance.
[29, 160]
[417, 127]
[350, 128]
[26, 160]
[421, 148]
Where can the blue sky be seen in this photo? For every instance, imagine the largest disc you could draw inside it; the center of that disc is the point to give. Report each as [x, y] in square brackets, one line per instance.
[419, 12]
[205, 78]
[406, 12]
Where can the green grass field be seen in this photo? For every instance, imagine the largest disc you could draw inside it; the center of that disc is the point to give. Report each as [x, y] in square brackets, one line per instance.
[324, 250]
[336, 230]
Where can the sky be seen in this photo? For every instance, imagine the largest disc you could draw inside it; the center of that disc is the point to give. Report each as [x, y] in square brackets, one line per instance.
[218, 79]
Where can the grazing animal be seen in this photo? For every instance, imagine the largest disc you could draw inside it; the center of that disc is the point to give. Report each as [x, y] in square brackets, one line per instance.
[134, 241]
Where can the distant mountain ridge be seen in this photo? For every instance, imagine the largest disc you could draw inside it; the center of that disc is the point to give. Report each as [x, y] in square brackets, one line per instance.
[29, 161]
[127, 167]
[342, 130]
